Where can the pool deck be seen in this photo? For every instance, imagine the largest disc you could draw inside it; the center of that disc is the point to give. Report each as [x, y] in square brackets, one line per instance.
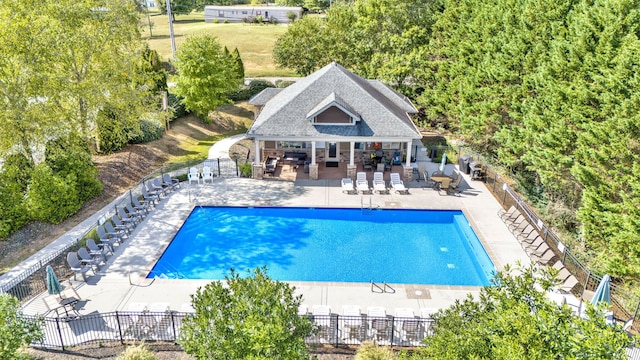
[122, 281]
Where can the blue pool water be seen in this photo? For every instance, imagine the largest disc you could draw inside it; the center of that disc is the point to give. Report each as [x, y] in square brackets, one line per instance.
[335, 245]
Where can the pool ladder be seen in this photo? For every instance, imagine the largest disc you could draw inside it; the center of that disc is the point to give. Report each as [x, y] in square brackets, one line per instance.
[364, 209]
[384, 289]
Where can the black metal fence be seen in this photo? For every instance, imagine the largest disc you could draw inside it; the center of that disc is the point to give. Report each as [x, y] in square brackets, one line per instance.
[31, 281]
[624, 305]
[334, 329]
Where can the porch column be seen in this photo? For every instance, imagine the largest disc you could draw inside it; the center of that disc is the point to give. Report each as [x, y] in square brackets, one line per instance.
[352, 150]
[256, 151]
[408, 162]
[313, 153]
[351, 168]
[258, 171]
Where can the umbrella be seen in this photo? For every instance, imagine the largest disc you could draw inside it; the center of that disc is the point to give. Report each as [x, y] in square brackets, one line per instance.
[443, 163]
[603, 291]
[53, 285]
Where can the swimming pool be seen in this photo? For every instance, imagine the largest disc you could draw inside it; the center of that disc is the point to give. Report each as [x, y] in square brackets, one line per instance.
[328, 245]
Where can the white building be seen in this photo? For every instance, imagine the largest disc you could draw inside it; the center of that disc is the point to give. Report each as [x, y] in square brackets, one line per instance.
[279, 14]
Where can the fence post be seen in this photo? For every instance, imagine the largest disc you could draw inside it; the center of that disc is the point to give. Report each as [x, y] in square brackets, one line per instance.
[59, 332]
[219, 172]
[393, 328]
[173, 327]
[237, 173]
[119, 328]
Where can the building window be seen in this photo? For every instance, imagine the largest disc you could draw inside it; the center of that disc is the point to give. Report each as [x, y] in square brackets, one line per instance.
[244, 12]
[293, 145]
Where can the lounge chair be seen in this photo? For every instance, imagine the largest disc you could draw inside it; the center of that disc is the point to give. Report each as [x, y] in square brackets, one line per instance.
[140, 206]
[77, 267]
[193, 175]
[114, 233]
[543, 256]
[347, 186]
[97, 250]
[122, 226]
[171, 183]
[379, 324]
[207, 175]
[322, 320]
[127, 217]
[410, 328]
[352, 323]
[86, 258]
[137, 214]
[362, 184]
[160, 187]
[104, 238]
[510, 214]
[397, 184]
[378, 183]
[149, 197]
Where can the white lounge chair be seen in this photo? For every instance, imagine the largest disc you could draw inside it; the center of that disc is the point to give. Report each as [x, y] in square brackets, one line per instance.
[322, 319]
[207, 175]
[362, 184]
[194, 175]
[76, 266]
[397, 184]
[379, 325]
[347, 186]
[378, 183]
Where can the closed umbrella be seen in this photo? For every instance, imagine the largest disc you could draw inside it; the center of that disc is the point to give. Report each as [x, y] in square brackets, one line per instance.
[603, 291]
[443, 162]
[53, 285]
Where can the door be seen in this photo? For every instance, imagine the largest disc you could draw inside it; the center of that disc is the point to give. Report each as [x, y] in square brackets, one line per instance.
[332, 152]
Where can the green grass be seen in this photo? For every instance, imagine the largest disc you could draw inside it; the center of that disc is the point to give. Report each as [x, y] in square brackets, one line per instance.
[255, 42]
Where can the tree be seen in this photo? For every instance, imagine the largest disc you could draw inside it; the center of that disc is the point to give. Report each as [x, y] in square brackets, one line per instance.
[512, 319]
[248, 318]
[178, 7]
[17, 331]
[206, 74]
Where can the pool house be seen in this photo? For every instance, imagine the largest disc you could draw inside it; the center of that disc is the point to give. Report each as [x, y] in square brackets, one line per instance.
[329, 118]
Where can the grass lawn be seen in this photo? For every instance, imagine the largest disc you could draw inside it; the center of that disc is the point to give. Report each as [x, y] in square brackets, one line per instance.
[255, 42]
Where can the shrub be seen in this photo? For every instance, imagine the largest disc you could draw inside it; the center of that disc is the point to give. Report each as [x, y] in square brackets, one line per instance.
[292, 16]
[226, 21]
[112, 135]
[51, 198]
[216, 21]
[246, 169]
[283, 83]
[369, 350]
[151, 129]
[137, 352]
[15, 175]
[259, 19]
[69, 157]
[177, 106]
[245, 92]
[17, 331]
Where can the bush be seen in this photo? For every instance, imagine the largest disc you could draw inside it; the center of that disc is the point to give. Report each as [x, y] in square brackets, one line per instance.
[69, 157]
[226, 21]
[15, 175]
[245, 92]
[369, 350]
[216, 21]
[151, 129]
[283, 83]
[16, 330]
[51, 198]
[137, 352]
[176, 106]
[246, 169]
[112, 135]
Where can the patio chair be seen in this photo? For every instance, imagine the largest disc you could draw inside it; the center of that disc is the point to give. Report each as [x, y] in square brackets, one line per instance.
[171, 183]
[86, 258]
[410, 328]
[322, 320]
[127, 217]
[362, 184]
[453, 187]
[112, 232]
[104, 238]
[137, 214]
[379, 325]
[140, 206]
[207, 175]
[149, 197]
[97, 250]
[397, 184]
[378, 183]
[122, 226]
[76, 266]
[351, 324]
[193, 175]
[542, 256]
[347, 186]
[160, 187]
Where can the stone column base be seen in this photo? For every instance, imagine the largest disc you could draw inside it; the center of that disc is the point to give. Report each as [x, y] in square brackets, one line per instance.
[313, 172]
[351, 171]
[257, 171]
[408, 173]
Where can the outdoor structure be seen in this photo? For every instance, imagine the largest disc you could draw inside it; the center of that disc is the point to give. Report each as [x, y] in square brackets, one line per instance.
[278, 14]
[333, 116]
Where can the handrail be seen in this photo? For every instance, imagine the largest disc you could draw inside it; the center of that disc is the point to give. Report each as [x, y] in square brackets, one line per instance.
[382, 289]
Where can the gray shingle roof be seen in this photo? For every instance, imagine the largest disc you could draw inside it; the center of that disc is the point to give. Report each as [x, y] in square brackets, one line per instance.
[383, 111]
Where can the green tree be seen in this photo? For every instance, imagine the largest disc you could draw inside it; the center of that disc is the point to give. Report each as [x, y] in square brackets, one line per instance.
[206, 74]
[179, 7]
[248, 318]
[512, 319]
[17, 331]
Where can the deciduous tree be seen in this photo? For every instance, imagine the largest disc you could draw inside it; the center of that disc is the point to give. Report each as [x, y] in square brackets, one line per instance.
[253, 317]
